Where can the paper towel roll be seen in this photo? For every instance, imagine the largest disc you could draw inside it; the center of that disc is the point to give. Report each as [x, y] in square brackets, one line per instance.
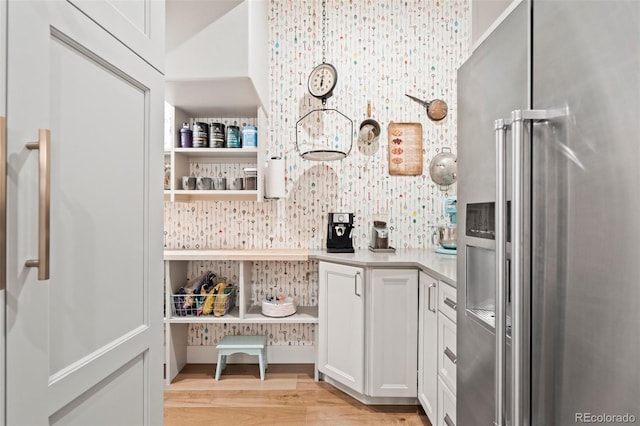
[274, 178]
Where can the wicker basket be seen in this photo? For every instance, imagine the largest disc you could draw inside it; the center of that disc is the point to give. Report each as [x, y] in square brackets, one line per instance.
[279, 308]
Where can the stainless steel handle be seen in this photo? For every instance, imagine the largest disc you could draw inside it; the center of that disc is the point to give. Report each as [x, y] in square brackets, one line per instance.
[429, 298]
[3, 202]
[355, 283]
[44, 198]
[450, 303]
[501, 128]
[519, 382]
[448, 420]
[517, 261]
[449, 354]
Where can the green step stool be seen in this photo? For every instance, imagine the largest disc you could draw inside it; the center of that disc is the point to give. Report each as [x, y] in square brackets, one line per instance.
[250, 345]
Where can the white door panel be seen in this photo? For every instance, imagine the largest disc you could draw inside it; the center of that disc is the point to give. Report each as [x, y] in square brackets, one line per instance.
[96, 325]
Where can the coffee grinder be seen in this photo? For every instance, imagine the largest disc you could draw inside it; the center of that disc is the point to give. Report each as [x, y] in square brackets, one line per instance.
[339, 233]
[380, 235]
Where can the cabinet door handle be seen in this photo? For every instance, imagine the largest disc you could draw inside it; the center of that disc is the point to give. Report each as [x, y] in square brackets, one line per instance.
[355, 283]
[450, 303]
[432, 286]
[3, 201]
[448, 420]
[44, 198]
[449, 353]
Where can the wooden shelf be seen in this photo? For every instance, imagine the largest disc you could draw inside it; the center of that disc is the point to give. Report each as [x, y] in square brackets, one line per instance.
[237, 254]
[243, 195]
[305, 315]
[243, 153]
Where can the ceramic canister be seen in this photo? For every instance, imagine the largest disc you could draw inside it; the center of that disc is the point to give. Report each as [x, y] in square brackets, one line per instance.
[216, 135]
[249, 137]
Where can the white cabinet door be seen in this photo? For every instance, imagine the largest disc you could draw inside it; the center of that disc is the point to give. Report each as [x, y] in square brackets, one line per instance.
[392, 332]
[428, 345]
[85, 345]
[138, 24]
[341, 324]
[447, 351]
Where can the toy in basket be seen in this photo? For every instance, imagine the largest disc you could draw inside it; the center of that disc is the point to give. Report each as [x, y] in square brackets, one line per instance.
[281, 306]
[204, 297]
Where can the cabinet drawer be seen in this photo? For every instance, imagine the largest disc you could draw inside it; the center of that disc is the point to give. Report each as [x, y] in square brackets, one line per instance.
[447, 351]
[447, 300]
[446, 405]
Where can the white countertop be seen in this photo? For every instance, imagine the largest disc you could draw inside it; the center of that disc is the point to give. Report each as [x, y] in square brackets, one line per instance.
[440, 266]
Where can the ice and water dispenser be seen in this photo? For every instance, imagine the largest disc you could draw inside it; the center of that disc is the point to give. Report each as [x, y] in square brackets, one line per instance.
[480, 267]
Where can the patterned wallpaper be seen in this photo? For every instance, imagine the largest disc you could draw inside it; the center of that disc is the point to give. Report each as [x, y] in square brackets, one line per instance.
[382, 50]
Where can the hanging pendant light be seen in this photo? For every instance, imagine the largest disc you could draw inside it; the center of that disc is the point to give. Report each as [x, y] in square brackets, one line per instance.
[324, 134]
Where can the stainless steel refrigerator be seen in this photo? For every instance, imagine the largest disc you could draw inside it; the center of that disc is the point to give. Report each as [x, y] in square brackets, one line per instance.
[549, 217]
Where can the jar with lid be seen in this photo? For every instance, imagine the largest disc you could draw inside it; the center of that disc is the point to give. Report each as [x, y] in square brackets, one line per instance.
[249, 137]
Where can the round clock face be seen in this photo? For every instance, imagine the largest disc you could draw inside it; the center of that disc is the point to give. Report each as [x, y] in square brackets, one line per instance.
[322, 81]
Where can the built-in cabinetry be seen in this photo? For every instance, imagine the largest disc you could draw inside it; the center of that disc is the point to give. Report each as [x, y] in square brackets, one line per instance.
[437, 350]
[367, 333]
[219, 72]
[233, 160]
[246, 310]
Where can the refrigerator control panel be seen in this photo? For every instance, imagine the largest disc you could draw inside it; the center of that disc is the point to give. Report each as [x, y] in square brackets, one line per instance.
[481, 222]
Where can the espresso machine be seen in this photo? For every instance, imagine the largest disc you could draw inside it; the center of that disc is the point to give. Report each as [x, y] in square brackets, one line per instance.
[339, 231]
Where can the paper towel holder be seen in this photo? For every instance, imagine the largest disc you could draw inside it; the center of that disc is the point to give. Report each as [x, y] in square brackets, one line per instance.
[267, 183]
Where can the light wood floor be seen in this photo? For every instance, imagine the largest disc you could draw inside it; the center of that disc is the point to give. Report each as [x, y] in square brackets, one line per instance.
[287, 396]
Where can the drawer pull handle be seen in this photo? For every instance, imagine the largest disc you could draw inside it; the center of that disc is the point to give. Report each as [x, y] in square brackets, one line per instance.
[448, 420]
[450, 303]
[449, 353]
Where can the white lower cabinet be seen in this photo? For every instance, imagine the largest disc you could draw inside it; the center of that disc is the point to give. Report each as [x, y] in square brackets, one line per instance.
[392, 330]
[341, 324]
[437, 350]
[376, 309]
[427, 346]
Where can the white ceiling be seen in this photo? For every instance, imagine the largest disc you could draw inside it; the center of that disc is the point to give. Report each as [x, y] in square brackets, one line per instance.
[184, 18]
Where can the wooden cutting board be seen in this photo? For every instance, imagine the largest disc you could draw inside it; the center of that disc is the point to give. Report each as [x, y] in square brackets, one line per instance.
[405, 149]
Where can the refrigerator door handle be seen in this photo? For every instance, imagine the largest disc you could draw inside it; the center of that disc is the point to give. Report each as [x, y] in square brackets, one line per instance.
[3, 202]
[518, 320]
[501, 127]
